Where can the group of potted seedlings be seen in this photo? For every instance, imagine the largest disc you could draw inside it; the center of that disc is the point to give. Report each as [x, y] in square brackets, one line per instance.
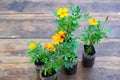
[61, 52]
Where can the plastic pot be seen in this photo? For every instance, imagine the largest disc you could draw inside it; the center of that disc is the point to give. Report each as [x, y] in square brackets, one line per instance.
[71, 71]
[48, 77]
[38, 64]
[88, 60]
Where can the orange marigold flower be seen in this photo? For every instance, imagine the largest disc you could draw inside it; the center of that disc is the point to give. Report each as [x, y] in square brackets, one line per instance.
[34, 42]
[59, 37]
[49, 47]
[62, 33]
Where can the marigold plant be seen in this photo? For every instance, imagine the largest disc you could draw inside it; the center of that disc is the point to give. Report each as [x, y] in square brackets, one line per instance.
[68, 19]
[62, 49]
[93, 33]
[35, 51]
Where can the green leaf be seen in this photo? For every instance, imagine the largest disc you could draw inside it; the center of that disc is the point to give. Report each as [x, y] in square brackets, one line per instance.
[68, 65]
[108, 31]
[71, 9]
[86, 16]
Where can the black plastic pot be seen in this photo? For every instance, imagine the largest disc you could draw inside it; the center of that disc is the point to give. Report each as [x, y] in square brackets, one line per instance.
[71, 71]
[53, 76]
[88, 60]
[38, 64]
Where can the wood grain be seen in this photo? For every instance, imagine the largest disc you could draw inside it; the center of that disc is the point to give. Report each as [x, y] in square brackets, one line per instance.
[24, 20]
[48, 16]
[31, 28]
[28, 72]
[45, 6]
[17, 15]
[14, 50]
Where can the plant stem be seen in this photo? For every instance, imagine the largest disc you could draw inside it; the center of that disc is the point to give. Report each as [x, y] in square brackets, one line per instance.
[91, 45]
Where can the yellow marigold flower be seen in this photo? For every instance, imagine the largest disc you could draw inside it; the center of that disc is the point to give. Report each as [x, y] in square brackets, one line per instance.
[49, 47]
[62, 12]
[93, 21]
[32, 46]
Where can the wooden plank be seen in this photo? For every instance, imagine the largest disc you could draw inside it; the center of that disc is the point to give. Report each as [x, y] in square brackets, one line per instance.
[25, 16]
[100, 74]
[14, 59]
[115, 61]
[14, 67]
[54, 0]
[14, 50]
[31, 28]
[18, 71]
[45, 6]
[28, 72]
[20, 44]
[10, 66]
[27, 28]
[8, 45]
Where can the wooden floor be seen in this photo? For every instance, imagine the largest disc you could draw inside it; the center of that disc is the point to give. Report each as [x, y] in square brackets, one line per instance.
[23, 20]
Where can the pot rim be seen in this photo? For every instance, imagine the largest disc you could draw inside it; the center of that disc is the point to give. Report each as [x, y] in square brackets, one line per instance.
[88, 56]
[74, 63]
[54, 75]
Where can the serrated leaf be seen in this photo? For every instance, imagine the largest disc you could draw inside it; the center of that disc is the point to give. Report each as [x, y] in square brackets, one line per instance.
[86, 16]
[108, 31]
